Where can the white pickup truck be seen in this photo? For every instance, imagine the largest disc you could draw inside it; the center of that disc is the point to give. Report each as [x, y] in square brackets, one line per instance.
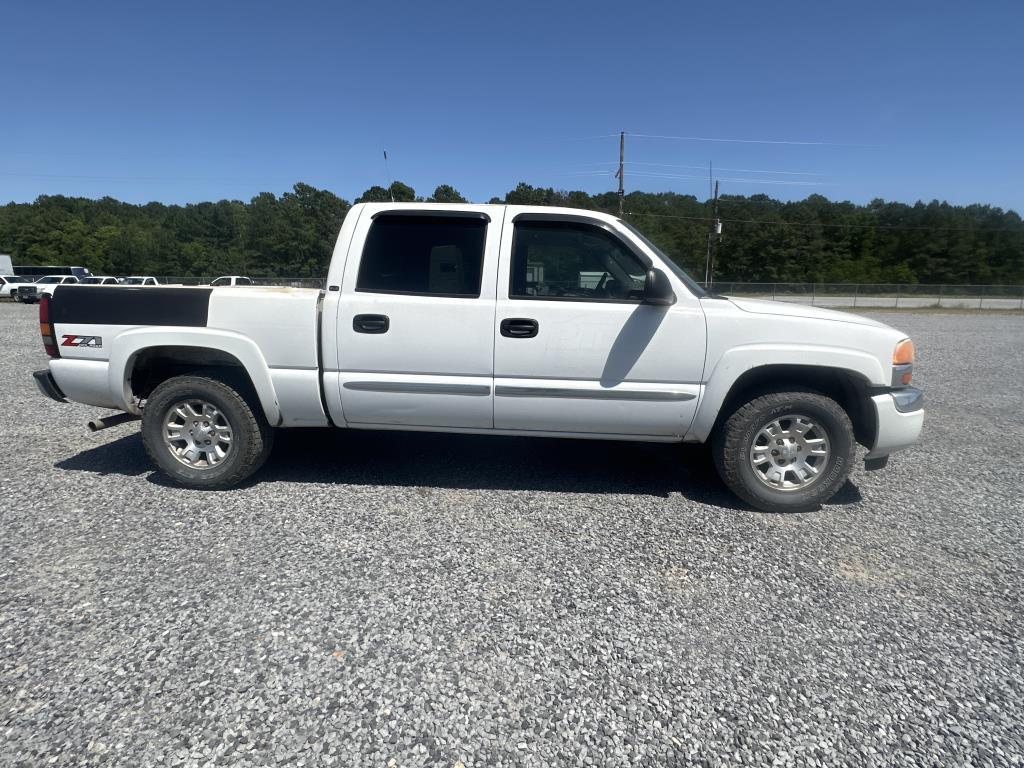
[490, 319]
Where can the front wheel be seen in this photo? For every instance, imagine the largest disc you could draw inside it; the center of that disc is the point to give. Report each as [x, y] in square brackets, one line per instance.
[785, 451]
[203, 433]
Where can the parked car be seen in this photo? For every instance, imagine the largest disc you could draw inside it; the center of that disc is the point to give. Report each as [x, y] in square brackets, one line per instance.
[139, 280]
[29, 293]
[99, 280]
[231, 280]
[34, 271]
[489, 319]
[8, 284]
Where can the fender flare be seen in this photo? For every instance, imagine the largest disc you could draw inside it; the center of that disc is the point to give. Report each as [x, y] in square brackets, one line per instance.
[130, 343]
[738, 360]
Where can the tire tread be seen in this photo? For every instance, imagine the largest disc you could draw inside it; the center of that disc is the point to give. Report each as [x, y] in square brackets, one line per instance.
[728, 451]
[255, 448]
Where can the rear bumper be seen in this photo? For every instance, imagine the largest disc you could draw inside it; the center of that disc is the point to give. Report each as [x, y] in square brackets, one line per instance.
[46, 385]
[899, 416]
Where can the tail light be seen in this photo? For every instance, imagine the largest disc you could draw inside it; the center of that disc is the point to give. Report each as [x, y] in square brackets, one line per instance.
[45, 328]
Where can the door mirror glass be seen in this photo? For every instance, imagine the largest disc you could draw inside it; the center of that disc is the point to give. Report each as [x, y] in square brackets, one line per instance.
[658, 289]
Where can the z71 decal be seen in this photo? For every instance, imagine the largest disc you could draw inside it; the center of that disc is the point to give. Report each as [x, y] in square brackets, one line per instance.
[73, 340]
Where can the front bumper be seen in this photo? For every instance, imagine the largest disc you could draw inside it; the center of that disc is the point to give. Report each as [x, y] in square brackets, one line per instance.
[899, 416]
[46, 384]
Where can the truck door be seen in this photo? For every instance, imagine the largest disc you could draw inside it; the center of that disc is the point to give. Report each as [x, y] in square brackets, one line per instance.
[416, 318]
[575, 348]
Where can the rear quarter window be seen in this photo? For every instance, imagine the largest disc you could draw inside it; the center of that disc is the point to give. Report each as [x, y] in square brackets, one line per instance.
[423, 255]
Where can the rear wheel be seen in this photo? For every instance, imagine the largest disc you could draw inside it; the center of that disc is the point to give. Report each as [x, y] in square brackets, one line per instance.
[203, 433]
[785, 451]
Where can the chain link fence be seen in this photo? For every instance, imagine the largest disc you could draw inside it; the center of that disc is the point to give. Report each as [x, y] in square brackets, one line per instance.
[881, 295]
[291, 282]
[844, 295]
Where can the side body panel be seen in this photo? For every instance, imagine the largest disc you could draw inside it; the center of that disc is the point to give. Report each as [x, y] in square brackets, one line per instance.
[599, 367]
[739, 341]
[271, 332]
[432, 367]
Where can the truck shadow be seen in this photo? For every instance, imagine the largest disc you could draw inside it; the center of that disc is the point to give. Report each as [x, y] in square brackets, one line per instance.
[467, 462]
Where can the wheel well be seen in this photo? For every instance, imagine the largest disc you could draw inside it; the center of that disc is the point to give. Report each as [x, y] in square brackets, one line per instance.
[847, 388]
[152, 366]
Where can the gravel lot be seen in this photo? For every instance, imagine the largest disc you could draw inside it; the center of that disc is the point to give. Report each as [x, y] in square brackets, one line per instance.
[409, 599]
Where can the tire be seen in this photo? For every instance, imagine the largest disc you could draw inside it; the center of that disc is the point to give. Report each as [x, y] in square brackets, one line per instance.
[800, 478]
[225, 463]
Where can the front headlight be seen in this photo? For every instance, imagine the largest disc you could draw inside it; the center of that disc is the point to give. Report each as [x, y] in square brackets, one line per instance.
[903, 363]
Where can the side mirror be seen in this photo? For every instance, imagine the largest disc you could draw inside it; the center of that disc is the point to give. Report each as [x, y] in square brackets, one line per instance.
[658, 290]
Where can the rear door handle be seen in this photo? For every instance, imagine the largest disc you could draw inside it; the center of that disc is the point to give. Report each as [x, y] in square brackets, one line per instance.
[519, 328]
[371, 323]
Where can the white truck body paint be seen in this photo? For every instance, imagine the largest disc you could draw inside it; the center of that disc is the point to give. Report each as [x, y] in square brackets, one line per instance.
[596, 368]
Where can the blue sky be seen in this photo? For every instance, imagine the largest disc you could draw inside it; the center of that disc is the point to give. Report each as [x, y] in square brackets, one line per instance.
[189, 101]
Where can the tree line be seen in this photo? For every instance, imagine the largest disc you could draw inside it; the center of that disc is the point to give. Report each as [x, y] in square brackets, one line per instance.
[763, 240]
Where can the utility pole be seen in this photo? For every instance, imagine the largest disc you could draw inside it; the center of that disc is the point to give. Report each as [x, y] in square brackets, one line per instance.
[713, 232]
[621, 173]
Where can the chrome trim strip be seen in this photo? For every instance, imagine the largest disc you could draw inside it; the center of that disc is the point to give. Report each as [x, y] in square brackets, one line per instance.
[908, 399]
[419, 388]
[507, 375]
[898, 371]
[503, 390]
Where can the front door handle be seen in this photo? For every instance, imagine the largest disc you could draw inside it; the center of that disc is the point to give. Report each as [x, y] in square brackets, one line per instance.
[519, 328]
[371, 323]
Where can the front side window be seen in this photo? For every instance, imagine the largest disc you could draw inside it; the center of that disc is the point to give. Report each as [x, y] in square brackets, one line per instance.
[424, 255]
[49, 280]
[221, 281]
[573, 261]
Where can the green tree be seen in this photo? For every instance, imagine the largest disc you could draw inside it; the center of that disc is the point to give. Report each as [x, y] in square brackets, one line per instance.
[445, 193]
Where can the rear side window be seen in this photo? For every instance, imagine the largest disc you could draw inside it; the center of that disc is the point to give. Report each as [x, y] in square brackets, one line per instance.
[423, 255]
[243, 281]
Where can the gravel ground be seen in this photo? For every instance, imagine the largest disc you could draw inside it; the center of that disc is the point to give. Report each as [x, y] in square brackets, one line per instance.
[410, 599]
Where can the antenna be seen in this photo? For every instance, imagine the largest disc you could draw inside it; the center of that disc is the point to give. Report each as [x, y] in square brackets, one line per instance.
[387, 173]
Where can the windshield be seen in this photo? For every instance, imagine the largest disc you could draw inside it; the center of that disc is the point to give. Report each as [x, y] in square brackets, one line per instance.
[676, 269]
[50, 279]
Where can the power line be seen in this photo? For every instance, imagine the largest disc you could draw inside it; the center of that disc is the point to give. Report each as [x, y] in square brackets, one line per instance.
[729, 141]
[753, 141]
[736, 181]
[701, 167]
[655, 175]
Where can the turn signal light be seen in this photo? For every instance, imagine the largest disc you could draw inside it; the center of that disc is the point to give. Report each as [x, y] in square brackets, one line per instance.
[45, 328]
[904, 353]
